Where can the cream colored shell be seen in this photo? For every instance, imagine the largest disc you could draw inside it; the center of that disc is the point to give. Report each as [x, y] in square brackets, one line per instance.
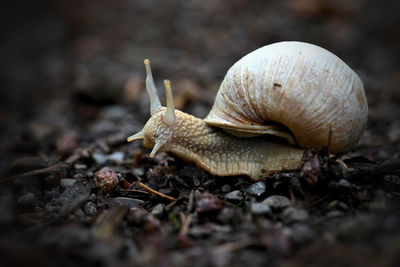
[302, 86]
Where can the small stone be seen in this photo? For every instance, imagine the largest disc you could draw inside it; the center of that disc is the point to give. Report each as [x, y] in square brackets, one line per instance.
[277, 202]
[67, 182]
[208, 203]
[256, 189]
[260, 208]
[301, 233]
[26, 199]
[158, 210]
[78, 175]
[90, 208]
[116, 156]
[292, 214]
[336, 204]
[139, 172]
[196, 182]
[74, 192]
[226, 215]
[129, 202]
[79, 166]
[143, 218]
[226, 188]
[236, 195]
[344, 183]
[334, 214]
[99, 158]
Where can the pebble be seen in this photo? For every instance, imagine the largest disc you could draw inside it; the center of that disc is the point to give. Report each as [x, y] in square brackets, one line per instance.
[116, 156]
[344, 183]
[292, 214]
[26, 199]
[101, 158]
[301, 233]
[226, 215]
[336, 204]
[80, 166]
[139, 172]
[196, 182]
[226, 188]
[334, 214]
[158, 210]
[129, 202]
[78, 175]
[236, 195]
[256, 189]
[142, 217]
[277, 202]
[73, 192]
[90, 208]
[260, 208]
[67, 182]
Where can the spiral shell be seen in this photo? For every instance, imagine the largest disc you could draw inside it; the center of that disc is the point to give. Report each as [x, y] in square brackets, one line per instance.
[297, 88]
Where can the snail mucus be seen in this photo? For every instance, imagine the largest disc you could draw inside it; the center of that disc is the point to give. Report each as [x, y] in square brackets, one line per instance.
[299, 92]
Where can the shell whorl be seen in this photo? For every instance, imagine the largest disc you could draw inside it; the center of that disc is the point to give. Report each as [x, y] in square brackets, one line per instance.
[304, 87]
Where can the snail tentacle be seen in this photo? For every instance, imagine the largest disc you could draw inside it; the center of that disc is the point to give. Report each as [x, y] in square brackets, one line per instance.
[155, 103]
[170, 116]
[136, 136]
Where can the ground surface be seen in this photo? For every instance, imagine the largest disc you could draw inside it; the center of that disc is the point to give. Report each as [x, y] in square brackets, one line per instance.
[73, 90]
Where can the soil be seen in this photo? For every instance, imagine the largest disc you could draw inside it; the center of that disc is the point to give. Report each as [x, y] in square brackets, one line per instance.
[73, 192]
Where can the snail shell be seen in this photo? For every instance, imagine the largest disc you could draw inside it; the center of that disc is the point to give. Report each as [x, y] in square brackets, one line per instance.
[296, 90]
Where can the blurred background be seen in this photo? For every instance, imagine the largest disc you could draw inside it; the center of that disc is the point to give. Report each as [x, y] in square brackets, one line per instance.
[72, 71]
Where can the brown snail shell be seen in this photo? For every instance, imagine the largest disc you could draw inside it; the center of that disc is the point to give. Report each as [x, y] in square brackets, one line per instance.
[296, 90]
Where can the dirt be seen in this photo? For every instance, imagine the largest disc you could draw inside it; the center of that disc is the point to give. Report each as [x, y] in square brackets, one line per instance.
[75, 193]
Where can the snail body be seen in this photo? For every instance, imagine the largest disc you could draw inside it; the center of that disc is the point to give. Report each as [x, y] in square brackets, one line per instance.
[293, 90]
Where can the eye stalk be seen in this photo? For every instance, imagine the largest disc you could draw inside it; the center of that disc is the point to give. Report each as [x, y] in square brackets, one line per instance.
[155, 104]
[170, 116]
[164, 125]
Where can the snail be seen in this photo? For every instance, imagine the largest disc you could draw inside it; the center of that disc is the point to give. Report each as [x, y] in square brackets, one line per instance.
[273, 103]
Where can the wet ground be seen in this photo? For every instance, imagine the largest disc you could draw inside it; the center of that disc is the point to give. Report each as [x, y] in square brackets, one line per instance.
[74, 192]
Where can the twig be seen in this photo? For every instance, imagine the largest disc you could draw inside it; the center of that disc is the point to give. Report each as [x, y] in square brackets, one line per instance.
[60, 166]
[57, 167]
[78, 154]
[150, 190]
[385, 168]
[186, 220]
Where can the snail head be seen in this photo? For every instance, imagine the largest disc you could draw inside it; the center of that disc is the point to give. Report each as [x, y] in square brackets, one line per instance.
[160, 128]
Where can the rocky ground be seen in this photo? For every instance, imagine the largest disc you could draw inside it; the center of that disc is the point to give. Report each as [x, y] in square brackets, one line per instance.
[74, 192]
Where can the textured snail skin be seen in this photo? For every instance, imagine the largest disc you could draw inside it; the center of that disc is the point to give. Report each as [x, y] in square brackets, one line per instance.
[219, 153]
[302, 86]
[297, 91]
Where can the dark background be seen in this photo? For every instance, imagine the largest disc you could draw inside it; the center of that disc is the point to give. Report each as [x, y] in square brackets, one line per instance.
[62, 61]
